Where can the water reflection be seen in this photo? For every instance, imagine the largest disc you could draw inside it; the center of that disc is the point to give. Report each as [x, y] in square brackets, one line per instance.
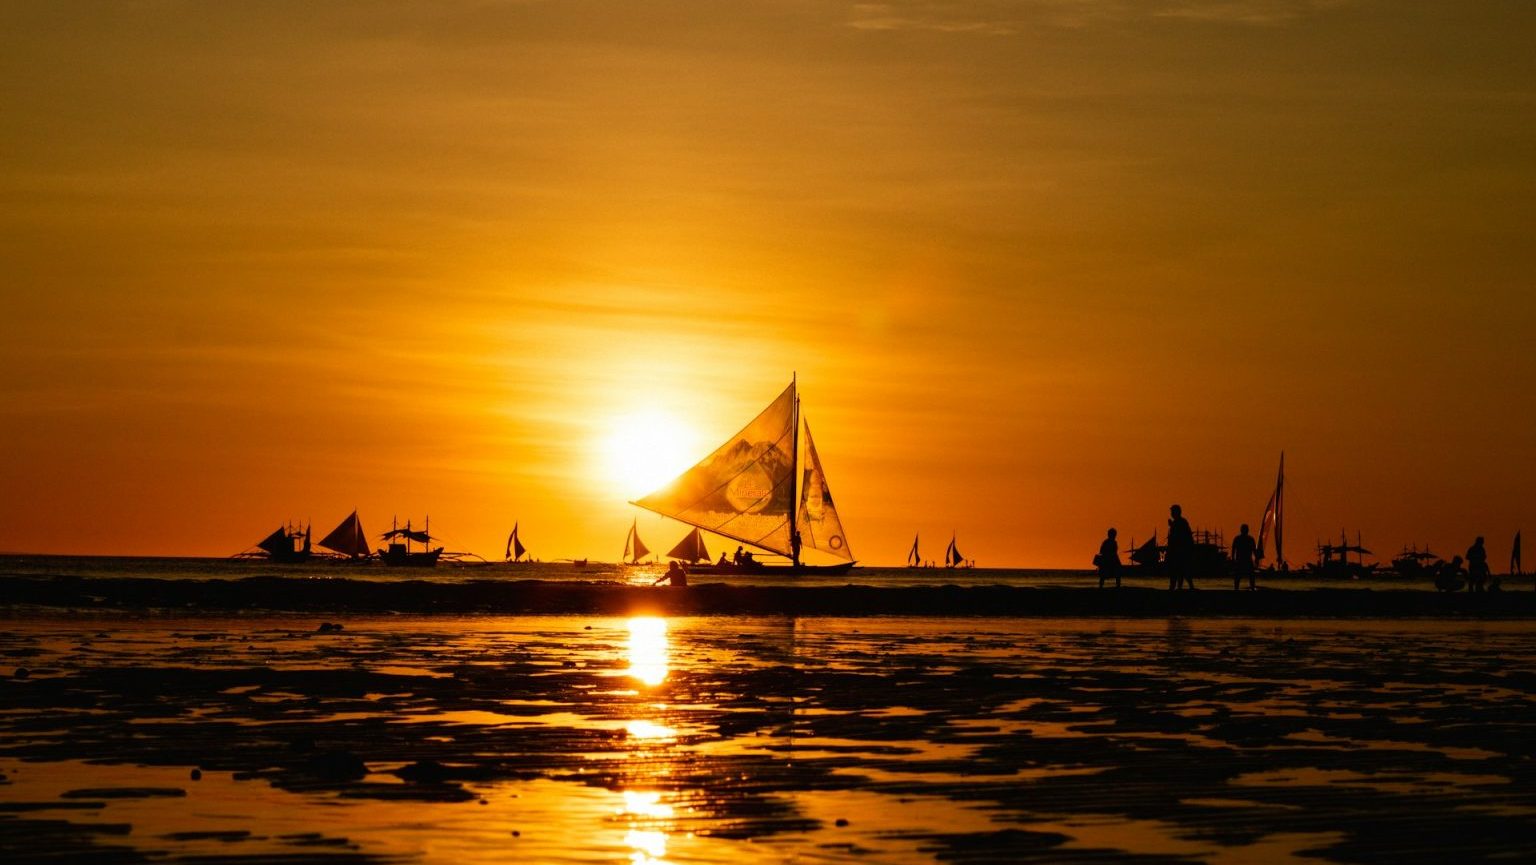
[648, 649]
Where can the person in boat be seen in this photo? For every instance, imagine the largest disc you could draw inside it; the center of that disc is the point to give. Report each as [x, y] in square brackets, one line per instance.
[1181, 550]
[1477, 566]
[1244, 558]
[1108, 559]
[737, 558]
[675, 576]
[723, 563]
[1448, 579]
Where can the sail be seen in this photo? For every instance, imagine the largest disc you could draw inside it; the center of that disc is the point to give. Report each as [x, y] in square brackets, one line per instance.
[817, 522]
[515, 548]
[278, 543]
[629, 537]
[913, 558]
[690, 548]
[1273, 521]
[347, 538]
[1515, 568]
[639, 549]
[952, 555]
[1146, 554]
[745, 489]
[409, 534]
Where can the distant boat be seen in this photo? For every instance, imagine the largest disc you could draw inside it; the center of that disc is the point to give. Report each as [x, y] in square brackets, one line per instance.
[634, 548]
[1515, 568]
[1334, 561]
[399, 553]
[1273, 521]
[288, 545]
[760, 489]
[1415, 563]
[515, 548]
[1148, 556]
[690, 549]
[348, 539]
[953, 558]
[914, 558]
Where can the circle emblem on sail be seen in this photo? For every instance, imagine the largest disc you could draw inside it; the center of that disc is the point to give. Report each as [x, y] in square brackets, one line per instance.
[750, 491]
[835, 542]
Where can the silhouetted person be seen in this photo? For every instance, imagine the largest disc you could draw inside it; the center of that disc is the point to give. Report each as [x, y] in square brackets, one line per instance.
[1477, 566]
[674, 576]
[737, 557]
[1244, 558]
[1181, 550]
[722, 563]
[1449, 577]
[1108, 560]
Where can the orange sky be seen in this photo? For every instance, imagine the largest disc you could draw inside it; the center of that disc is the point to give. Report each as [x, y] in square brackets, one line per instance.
[1042, 266]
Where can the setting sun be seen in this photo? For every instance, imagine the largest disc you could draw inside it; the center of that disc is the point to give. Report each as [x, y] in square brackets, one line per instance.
[643, 450]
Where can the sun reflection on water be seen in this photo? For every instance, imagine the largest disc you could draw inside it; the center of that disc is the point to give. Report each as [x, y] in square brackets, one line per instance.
[649, 848]
[648, 649]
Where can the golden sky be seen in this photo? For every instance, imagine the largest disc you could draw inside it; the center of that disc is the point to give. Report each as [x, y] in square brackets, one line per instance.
[1042, 266]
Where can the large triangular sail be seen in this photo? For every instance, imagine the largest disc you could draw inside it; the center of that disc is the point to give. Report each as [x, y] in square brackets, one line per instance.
[515, 548]
[817, 522]
[745, 489]
[952, 557]
[1515, 567]
[1273, 521]
[690, 548]
[913, 558]
[349, 539]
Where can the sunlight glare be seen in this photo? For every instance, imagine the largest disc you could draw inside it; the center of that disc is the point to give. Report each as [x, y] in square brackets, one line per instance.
[645, 449]
[648, 649]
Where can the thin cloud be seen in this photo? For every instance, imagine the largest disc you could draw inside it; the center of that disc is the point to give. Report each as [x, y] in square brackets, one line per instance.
[1008, 17]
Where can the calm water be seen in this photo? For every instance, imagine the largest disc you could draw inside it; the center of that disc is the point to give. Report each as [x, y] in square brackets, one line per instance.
[202, 569]
[714, 740]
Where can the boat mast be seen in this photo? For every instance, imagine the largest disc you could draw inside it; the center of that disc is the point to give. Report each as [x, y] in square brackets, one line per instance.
[794, 478]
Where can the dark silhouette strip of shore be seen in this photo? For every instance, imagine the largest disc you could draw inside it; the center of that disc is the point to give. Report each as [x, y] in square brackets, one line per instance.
[536, 597]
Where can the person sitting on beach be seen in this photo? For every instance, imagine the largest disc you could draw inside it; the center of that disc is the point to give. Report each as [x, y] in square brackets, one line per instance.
[1108, 560]
[1448, 579]
[1477, 566]
[1181, 550]
[1244, 558]
[675, 576]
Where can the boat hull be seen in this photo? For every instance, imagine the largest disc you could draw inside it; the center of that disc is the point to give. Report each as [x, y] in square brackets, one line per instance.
[758, 568]
[403, 559]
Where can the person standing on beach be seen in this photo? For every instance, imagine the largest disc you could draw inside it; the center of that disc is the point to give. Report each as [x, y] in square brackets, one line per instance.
[1477, 566]
[1244, 550]
[1108, 560]
[1181, 550]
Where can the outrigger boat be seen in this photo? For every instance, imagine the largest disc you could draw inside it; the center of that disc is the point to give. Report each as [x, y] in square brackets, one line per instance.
[288, 545]
[761, 490]
[516, 550]
[1415, 563]
[634, 548]
[348, 541]
[1335, 564]
[399, 553]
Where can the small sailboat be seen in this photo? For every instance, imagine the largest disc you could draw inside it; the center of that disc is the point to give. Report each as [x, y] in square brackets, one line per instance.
[348, 539]
[765, 488]
[914, 558]
[1148, 556]
[288, 545]
[515, 548]
[1273, 521]
[634, 548]
[399, 553]
[953, 558]
[1515, 567]
[690, 549]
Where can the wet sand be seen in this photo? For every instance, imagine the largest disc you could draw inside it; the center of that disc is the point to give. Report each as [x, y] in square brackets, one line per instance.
[760, 739]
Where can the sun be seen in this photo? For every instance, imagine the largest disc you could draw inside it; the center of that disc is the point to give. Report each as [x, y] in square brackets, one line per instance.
[645, 449]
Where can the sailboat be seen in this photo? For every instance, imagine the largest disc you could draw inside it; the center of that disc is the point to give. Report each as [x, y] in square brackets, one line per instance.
[288, 545]
[634, 548]
[1273, 521]
[914, 558]
[952, 557]
[1148, 556]
[765, 488]
[399, 553]
[348, 539]
[515, 548]
[690, 549]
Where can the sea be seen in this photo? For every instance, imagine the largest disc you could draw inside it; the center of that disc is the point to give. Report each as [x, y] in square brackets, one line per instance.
[190, 568]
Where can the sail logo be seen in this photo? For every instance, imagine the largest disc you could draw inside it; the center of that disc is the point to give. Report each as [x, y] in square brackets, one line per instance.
[750, 491]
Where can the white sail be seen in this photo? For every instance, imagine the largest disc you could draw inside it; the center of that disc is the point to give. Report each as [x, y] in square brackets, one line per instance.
[818, 523]
[745, 489]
